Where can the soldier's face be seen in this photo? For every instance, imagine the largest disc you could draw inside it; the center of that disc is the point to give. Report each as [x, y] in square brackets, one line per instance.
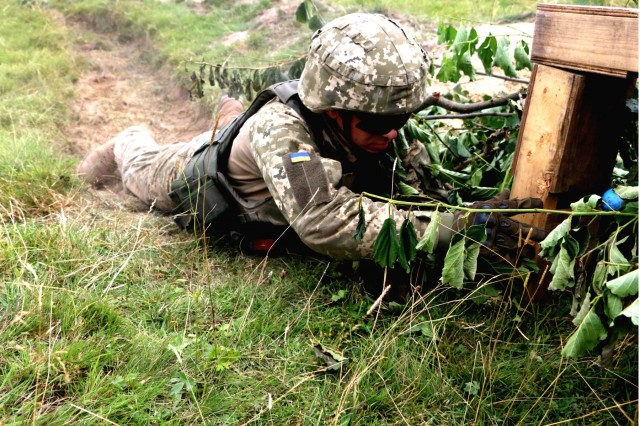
[368, 141]
[373, 143]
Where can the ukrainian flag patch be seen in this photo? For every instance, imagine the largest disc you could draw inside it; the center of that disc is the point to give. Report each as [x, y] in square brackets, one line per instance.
[299, 157]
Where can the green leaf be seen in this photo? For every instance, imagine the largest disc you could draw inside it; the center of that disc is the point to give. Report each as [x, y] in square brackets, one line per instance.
[473, 40]
[487, 51]
[460, 44]
[385, 248]
[450, 175]
[472, 388]
[521, 55]
[331, 358]
[341, 294]
[599, 276]
[590, 332]
[407, 190]
[429, 239]
[626, 285]
[424, 327]
[627, 192]
[446, 33]
[295, 69]
[584, 309]
[555, 238]
[476, 233]
[302, 14]
[613, 307]
[502, 58]
[457, 145]
[470, 264]
[448, 71]
[483, 192]
[315, 23]
[618, 264]
[586, 204]
[632, 311]
[464, 64]
[362, 225]
[408, 240]
[563, 274]
[453, 270]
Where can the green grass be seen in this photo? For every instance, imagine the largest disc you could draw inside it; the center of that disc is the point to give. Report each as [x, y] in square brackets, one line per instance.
[467, 12]
[109, 317]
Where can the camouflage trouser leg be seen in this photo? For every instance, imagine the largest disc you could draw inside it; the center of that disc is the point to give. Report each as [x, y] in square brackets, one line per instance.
[148, 169]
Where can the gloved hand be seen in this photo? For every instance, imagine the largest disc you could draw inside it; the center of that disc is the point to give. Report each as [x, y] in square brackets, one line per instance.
[504, 235]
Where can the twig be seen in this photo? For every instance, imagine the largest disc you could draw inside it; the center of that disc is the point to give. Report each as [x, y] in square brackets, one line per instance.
[436, 99]
[463, 116]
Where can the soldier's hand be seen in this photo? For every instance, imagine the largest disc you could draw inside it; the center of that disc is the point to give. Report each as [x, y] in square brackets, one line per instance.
[503, 234]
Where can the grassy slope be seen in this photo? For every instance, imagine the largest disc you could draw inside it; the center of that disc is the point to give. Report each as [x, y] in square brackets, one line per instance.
[110, 316]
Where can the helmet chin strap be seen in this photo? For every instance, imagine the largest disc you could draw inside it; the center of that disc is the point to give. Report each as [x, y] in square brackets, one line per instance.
[346, 117]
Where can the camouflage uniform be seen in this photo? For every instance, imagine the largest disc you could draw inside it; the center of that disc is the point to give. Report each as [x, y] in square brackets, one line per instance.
[360, 62]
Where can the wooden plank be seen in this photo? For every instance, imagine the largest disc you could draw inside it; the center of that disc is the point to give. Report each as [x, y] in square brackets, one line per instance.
[568, 139]
[588, 38]
[541, 136]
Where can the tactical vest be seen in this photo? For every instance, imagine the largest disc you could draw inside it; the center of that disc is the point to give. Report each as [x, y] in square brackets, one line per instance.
[202, 193]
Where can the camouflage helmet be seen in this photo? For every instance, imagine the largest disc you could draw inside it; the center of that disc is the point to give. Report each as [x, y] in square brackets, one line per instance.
[367, 63]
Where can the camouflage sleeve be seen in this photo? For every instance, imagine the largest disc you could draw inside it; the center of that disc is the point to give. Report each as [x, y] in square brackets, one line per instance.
[329, 225]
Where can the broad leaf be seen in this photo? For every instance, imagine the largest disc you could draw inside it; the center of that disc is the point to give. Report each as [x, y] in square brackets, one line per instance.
[430, 237]
[385, 249]
[302, 14]
[487, 51]
[554, 238]
[315, 23]
[502, 58]
[448, 70]
[407, 190]
[470, 265]
[453, 270]
[613, 307]
[446, 33]
[618, 264]
[589, 333]
[626, 285]
[584, 309]
[586, 204]
[563, 274]
[408, 239]
[521, 55]
[599, 276]
[460, 44]
[632, 311]
[627, 192]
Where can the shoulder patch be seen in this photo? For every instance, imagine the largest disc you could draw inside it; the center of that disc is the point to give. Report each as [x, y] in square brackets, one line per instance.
[307, 178]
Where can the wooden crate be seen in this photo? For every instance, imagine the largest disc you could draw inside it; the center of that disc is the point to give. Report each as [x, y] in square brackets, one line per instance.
[601, 40]
[572, 119]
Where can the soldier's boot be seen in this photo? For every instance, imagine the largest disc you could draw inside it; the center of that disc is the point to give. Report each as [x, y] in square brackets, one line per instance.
[99, 167]
[228, 109]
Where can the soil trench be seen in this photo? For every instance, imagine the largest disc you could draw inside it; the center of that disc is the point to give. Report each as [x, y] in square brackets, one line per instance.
[120, 89]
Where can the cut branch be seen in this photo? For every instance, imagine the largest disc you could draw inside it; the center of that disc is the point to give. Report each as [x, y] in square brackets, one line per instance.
[437, 100]
[464, 116]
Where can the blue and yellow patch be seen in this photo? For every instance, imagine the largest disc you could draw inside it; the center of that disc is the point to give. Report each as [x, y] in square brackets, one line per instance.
[299, 157]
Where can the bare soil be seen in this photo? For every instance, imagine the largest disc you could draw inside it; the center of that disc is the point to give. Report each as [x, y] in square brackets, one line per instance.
[120, 89]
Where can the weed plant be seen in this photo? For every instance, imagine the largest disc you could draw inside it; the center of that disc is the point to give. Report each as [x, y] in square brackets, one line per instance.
[109, 317]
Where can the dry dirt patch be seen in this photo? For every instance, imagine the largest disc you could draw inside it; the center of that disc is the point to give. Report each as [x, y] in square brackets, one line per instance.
[120, 89]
